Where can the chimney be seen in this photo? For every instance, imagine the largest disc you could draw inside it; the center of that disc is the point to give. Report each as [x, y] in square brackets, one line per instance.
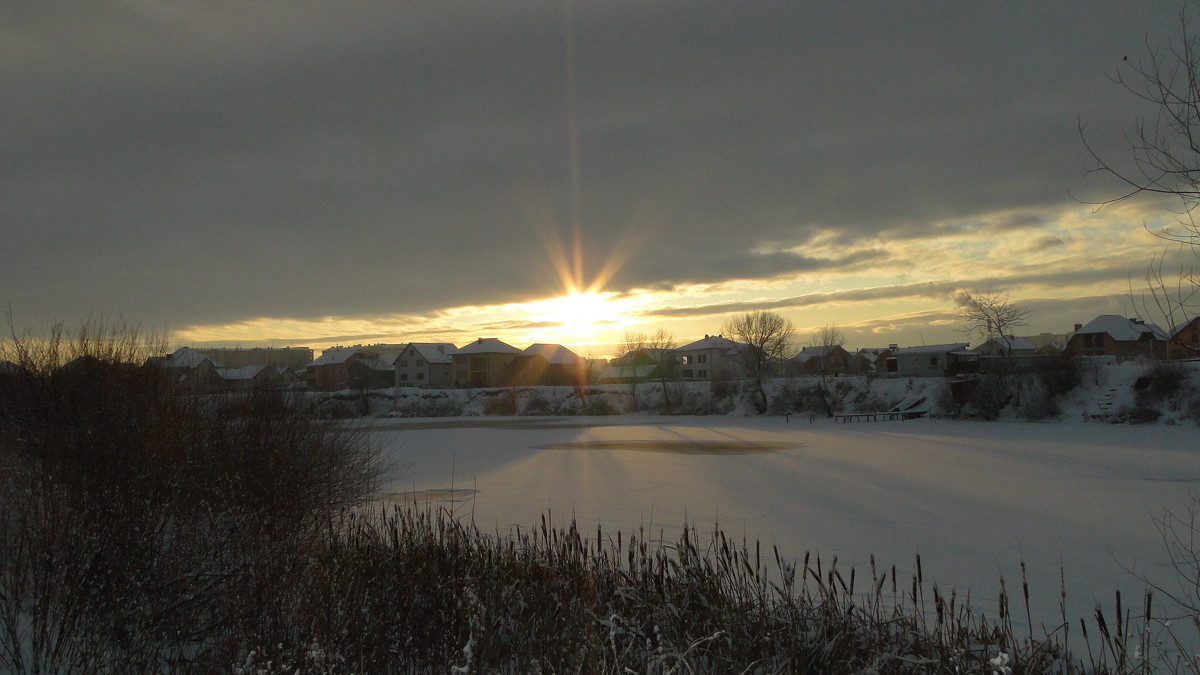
[893, 346]
[1078, 326]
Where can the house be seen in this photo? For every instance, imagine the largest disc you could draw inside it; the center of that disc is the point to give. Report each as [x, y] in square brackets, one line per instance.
[549, 364]
[329, 371]
[822, 360]
[945, 360]
[250, 378]
[374, 371]
[1049, 344]
[1006, 345]
[1185, 340]
[292, 358]
[870, 360]
[190, 368]
[487, 362]
[291, 379]
[712, 358]
[427, 365]
[640, 365]
[1117, 336]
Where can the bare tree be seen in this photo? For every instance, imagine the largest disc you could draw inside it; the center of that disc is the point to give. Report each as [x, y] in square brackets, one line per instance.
[661, 347]
[1162, 157]
[626, 361]
[762, 338]
[827, 339]
[991, 314]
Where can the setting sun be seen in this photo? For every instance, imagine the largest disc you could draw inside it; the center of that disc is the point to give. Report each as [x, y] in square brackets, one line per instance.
[579, 316]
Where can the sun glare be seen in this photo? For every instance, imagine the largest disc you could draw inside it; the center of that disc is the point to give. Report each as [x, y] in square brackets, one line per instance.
[580, 316]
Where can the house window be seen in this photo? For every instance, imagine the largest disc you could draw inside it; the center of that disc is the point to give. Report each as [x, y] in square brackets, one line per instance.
[933, 362]
[686, 374]
[420, 376]
[420, 362]
[404, 377]
[703, 358]
[403, 363]
[685, 360]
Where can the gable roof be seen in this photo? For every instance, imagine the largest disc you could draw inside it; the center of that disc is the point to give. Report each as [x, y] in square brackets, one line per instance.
[710, 342]
[336, 355]
[933, 349]
[1016, 344]
[809, 353]
[434, 352]
[555, 354]
[1121, 329]
[379, 362]
[488, 346]
[186, 357]
[1184, 326]
[243, 373]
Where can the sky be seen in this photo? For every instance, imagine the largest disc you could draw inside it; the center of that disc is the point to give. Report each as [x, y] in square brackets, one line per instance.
[314, 173]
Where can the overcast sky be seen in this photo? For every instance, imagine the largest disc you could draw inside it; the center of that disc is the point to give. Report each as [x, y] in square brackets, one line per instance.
[369, 170]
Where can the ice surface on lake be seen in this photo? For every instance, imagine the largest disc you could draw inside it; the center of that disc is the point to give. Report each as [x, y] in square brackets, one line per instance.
[974, 499]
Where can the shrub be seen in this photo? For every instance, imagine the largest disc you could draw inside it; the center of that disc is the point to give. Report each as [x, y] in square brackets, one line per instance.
[991, 395]
[171, 519]
[503, 402]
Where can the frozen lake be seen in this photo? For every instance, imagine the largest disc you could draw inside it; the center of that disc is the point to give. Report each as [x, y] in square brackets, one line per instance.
[973, 499]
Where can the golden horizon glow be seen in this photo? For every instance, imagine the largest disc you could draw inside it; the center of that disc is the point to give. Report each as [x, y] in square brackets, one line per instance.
[575, 309]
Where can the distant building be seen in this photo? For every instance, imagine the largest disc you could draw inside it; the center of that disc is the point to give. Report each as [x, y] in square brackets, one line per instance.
[487, 362]
[428, 365]
[1185, 340]
[945, 360]
[549, 364]
[329, 372]
[870, 360]
[1006, 346]
[1117, 336]
[822, 360]
[712, 358]
[292, 358]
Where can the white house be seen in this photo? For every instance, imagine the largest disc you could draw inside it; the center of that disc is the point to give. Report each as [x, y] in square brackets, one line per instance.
[933, 360]
[428, 365]
[712, 358]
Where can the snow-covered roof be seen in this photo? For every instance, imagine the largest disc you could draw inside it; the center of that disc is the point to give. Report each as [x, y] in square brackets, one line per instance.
[434, 352]
[1183, 326]
[1016, 344]
[488, 346]
[379, 362]
[873, 351]
[933, 349]
[1121, 329]
[709, 342]
[555, 354]
[243, 373]
[186, 357]
[336, 355]
[806, 354]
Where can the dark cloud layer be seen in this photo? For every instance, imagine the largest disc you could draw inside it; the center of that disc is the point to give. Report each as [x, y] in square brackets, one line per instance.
[206, 162]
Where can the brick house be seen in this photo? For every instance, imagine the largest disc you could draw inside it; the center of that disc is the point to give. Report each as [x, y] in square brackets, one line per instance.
[1113, 335]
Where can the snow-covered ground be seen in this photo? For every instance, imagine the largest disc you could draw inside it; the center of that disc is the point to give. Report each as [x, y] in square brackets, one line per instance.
[973, 499]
